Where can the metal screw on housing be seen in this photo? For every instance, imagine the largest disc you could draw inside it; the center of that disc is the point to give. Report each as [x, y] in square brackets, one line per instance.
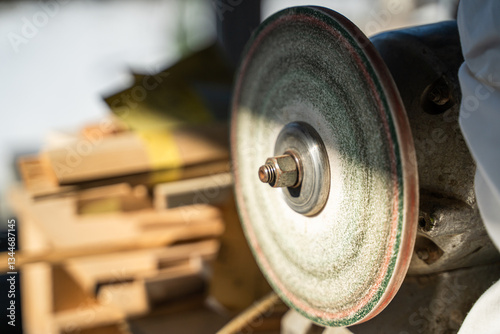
[439, 96]
[439, 92]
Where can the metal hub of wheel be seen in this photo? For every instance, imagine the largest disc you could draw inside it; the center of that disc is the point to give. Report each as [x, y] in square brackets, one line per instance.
[301, 165]
[331, 214]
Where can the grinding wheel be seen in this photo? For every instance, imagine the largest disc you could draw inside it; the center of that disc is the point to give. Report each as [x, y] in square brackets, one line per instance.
[334, 230]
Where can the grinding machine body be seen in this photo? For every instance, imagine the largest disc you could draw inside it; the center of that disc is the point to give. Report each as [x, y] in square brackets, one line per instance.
[352, 178]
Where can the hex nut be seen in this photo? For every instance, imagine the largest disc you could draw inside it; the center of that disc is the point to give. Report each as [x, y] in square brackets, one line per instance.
[285, 170]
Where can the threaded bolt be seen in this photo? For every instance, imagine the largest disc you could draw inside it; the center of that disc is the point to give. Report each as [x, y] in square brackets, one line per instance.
[267, 173]
[281, 171]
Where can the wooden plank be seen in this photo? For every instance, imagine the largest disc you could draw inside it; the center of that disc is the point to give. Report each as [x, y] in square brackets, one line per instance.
[129, 297]
[192, 214]
[120, 300]
[36, 287]
[114, 190]
[120, 328]
[212, 189]
[150, 239]
[108, 126]
[38, 176]
[90, 271]
[148, 179]
[206, 250]
[117, 197]
[129, 153]
[121, 154]
[153, 288]
[86, 318]
[32, 239]
[59, 221]
[67, 294]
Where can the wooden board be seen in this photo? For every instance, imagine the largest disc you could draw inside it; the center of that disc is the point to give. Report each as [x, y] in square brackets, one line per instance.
[131, 298]
[211, 189]
[38, 176]
[121, 154]
[127, 153]
[54, 302]
[62, 227]
[36, 287]
[44, 187]
[90, 271]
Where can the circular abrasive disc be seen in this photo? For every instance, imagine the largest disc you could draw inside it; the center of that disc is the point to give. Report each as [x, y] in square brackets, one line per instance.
[343, 264]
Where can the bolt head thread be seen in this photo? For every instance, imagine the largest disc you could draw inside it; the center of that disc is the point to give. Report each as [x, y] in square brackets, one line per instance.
[267, 173]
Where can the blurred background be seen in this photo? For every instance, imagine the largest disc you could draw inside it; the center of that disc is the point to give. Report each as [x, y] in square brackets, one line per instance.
[91, 91]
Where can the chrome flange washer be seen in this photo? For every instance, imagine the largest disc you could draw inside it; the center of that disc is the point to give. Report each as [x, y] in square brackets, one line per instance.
[316, 113]
[308, 193]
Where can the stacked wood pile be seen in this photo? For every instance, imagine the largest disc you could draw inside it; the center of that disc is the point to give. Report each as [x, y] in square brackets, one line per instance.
[118, 227]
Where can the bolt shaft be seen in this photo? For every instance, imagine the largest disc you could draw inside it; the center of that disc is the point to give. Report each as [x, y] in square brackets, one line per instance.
[267, 173]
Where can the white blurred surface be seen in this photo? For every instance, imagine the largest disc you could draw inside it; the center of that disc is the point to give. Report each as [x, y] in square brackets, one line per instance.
[57, 61]
[374, 16]
[479, 26]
